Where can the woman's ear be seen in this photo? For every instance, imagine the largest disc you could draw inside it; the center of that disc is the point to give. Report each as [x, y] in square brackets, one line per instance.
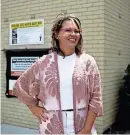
[56, 35]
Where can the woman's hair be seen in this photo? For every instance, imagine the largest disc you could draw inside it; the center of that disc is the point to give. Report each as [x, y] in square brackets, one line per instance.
[56, 28]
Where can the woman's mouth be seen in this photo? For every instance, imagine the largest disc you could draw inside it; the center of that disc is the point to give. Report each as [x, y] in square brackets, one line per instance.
[72, 40]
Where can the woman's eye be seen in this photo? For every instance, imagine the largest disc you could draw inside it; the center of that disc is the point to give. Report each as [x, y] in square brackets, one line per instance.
[71, 31]
[76, 31]
[68, 30]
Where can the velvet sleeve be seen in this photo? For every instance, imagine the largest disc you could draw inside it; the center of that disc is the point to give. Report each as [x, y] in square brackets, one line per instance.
[96, 104]
[27, 86]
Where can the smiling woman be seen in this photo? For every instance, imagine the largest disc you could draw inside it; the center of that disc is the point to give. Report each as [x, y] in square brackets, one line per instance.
[67, 35]
[63, 89]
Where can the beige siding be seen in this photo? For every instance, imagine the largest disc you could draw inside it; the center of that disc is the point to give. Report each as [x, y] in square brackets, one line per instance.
[116, 53]
[106, 37]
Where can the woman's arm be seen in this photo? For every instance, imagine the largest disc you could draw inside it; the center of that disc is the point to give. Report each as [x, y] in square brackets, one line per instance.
[95, 104]
[27, 87]
[88, 123]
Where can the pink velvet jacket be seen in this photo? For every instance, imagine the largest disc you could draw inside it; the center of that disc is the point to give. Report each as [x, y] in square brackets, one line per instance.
[40, 85]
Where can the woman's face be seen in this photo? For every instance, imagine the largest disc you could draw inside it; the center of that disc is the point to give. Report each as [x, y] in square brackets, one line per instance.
[68, 35]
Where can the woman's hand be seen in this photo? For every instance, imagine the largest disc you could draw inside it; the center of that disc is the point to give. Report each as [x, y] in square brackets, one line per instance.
[84, 131]
[39, 112]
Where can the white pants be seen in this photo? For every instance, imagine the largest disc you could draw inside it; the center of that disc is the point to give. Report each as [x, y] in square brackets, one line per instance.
[68, 122]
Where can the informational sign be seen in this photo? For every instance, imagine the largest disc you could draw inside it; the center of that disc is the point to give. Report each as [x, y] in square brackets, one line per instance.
[20, 64]
[27, 32]
[17, 62]
[11, 85]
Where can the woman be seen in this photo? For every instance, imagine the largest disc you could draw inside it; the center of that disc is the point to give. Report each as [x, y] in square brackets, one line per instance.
[63, 89]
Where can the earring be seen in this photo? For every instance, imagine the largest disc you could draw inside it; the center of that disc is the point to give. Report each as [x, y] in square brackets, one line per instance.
[57, 37]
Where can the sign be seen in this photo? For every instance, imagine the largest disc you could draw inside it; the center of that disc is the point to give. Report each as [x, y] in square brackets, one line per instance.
[17, 62]
[27, 32]
[20, 64]
[11, 85]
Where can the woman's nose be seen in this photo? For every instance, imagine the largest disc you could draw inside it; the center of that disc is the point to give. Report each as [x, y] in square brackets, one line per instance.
[73, 33]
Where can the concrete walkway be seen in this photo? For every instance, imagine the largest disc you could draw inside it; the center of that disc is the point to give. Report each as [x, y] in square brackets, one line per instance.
[10, 129]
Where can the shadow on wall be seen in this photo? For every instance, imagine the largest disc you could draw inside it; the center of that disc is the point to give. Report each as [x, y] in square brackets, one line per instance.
[122, 121]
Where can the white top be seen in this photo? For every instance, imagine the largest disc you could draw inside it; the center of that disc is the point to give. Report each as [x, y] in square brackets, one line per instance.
[66, 68]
